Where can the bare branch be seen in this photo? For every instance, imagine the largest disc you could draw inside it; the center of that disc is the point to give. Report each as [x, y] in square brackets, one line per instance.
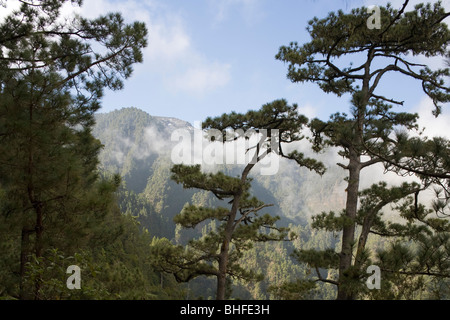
[371, 162]
[387, 100]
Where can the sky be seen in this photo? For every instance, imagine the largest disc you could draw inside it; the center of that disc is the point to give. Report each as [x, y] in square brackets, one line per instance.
[209, 57]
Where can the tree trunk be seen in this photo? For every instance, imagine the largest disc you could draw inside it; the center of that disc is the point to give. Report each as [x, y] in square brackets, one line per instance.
[225, 249]
[348, 235]
[223, 260]
[346, 276]
[228, 234]
[222, 276]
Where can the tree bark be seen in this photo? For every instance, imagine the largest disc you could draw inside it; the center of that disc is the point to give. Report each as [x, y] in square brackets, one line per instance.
[348, 234]
[225, 250]
[222, 276]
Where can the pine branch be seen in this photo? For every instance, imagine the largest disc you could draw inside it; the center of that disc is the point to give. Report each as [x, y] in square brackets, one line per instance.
[321, 279]
[397, 17]
[248, 212]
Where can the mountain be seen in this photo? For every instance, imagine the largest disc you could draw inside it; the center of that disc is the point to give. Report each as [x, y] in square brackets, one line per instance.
[132, 141]
[138, 146]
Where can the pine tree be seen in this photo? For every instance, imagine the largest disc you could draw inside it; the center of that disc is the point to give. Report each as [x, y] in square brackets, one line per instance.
[369, 129]
[218, 252]
[51, 82]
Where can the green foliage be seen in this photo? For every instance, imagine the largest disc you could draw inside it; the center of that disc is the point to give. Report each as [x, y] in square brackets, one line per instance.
[298, 290]
[184, 264]
[325, 259]
[192, 215]
[411, 262]
[55, 207]
[265, 258]
[218, 252]
[276, 115]
[369, 128]
[272, 259]
[51, 273]
[201, 256]
[330, 222]
[341, 34]
[221, 185]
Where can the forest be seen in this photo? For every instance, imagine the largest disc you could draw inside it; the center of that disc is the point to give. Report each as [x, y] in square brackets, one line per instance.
[358, 207]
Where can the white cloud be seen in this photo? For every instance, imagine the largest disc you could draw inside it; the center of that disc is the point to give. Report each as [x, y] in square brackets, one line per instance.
[308, 110]
[202, 78]
[434, 127]
[168, 41]
[170, 54]
[7, 7]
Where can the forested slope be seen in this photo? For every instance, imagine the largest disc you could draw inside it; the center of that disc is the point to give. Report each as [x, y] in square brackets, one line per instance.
[138, 145]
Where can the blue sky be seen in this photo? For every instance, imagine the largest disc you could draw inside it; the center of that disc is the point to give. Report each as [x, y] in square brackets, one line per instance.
[208, 57]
